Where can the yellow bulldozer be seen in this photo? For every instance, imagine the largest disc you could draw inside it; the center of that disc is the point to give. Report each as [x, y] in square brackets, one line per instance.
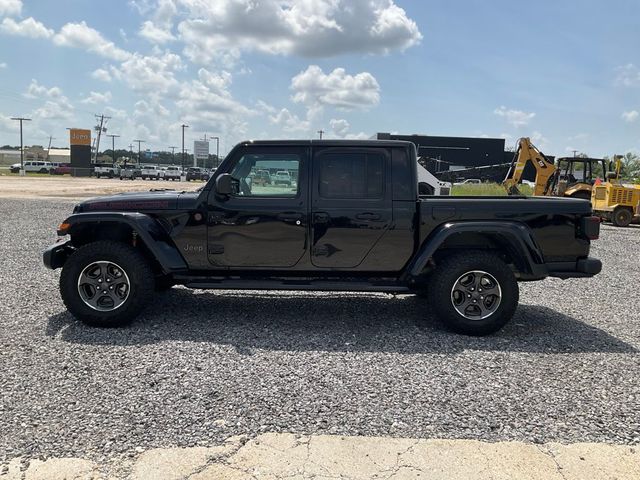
[570, 177]
[614, 201]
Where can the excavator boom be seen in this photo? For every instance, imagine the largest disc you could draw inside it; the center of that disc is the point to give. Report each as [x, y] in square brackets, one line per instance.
[526, 153]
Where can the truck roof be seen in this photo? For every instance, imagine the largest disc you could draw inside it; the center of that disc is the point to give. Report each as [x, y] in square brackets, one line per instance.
[331, 143]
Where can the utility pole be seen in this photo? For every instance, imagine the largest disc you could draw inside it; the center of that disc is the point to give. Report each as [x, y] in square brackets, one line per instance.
[173, 155]
[139, 142]
[21, 119]
[574, 153]
[130, 152]
[217, 139]
[49, 148]
[320, 132]
[183, 127]
[113, 147]
[100, 129]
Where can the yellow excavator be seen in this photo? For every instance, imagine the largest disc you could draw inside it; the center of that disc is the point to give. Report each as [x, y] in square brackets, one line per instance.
[569, 177]
[525, 153]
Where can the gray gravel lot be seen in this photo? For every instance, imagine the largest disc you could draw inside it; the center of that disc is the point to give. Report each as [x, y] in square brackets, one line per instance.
[199, 367]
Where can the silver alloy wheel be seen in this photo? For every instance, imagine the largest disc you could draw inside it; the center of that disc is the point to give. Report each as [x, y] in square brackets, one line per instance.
[104, 286]
[476, 295]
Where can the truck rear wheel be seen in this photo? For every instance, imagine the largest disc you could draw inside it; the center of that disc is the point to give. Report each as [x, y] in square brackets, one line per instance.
[106, 283]
[622, 217]
[473, 293]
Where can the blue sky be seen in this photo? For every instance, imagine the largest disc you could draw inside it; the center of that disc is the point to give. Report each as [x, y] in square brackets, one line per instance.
[567, 75]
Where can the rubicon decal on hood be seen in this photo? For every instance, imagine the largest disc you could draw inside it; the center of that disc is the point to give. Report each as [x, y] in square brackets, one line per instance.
[129, 205]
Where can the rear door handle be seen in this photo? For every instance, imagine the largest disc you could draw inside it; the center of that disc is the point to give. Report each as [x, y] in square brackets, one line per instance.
[321, 217]
[368, 216]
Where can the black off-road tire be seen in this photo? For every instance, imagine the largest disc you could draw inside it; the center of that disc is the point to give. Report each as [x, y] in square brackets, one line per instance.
[622, 217]
[447, 273]
[136, 267]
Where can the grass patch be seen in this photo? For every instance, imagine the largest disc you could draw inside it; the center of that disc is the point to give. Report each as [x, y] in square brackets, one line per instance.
[486, 189]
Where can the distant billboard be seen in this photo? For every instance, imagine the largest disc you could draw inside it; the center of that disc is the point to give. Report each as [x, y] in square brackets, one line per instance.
[200, 150]
[80, 143]
[79, 136]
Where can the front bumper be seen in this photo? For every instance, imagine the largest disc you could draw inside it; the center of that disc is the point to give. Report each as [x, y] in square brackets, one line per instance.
[55, 255]
[583, 267]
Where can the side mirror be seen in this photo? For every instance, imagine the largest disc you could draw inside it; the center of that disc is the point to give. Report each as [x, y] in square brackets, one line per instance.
[226, 185]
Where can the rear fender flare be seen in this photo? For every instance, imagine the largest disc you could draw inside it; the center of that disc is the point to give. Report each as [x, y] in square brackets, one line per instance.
[517, 236]
[148, 230]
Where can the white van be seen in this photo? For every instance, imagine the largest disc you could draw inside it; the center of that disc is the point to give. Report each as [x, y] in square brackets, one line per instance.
[33, 166]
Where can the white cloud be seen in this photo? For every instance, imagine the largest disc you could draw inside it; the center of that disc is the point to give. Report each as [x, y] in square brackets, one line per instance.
[337, 89]
[539, 140]
[97, 97]
[357, 136]
[207, 105]
[101, 74]
[517, 118]
[7, 125]
[150, 74]
[339, 126]
[289, 122]
[631, 116]
[152, 109]
[265, 107]
[3, 65]
[35, 90]
[628, 75]
[80, 35]
[155, 34]
[308, 28]
[10, 7]
[26, 28]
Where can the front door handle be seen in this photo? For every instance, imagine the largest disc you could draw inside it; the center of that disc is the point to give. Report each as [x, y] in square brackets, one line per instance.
[290, 217]
[368, 216]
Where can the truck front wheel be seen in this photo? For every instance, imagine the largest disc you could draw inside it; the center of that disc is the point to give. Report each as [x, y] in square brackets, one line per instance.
[106, 283]
[473, 293]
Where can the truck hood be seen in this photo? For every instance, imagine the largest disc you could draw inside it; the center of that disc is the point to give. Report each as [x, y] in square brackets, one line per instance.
[138, 201]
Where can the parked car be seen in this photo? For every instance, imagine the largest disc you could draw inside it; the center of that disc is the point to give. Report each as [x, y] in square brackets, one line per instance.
[282, 177]
[172, 172]
[196, 173]
[32, 166]
[61, 169]
[150, 172]
[130, 171]
[106, 170]
[348, 224]
[469, 181]
[261, 177]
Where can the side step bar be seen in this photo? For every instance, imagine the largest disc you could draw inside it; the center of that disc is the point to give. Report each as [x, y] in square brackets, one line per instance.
[294, 284]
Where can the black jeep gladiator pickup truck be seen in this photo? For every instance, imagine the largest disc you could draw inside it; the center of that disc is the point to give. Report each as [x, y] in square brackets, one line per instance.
[351, 219]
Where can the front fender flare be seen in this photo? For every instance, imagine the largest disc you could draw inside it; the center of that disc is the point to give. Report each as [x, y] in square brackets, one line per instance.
[149, 231]
[515, 236]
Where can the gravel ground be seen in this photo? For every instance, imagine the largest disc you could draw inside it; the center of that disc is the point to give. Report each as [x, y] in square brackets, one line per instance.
[199, 367]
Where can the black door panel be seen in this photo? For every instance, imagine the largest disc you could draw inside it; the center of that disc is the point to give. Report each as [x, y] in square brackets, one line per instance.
[265, 224]
[351, 206]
